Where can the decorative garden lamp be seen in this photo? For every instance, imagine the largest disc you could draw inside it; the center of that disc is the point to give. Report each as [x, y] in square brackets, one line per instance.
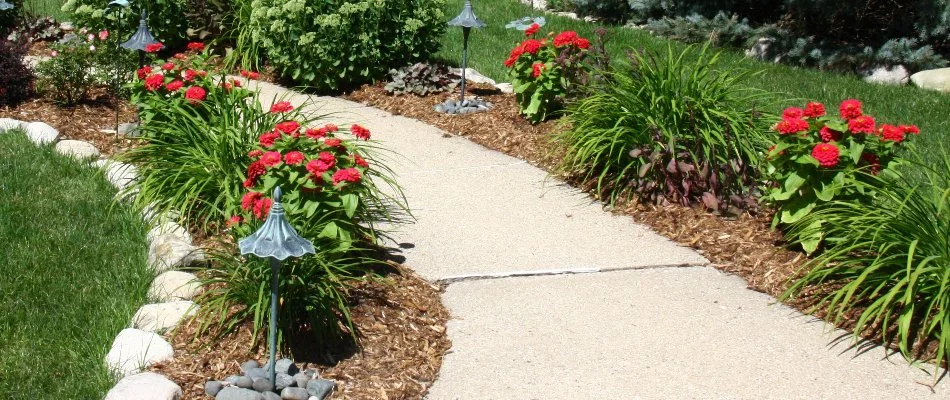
[4, 5]
[467, 20]
[141, 38]
[276, 240]
[117, 6]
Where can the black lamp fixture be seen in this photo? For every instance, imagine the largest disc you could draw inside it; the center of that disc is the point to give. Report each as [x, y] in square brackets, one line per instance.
[140, 39]
[467, 20]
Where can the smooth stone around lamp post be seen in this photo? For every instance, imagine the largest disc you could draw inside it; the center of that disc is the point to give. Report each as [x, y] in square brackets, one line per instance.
[248, 365]
[284, 380]
[262, 385]
[244, 382]
[256, 373]
[320, 387]
[213, 387]
[301, 379]
[234, 393]
[294, 393]
[271, 396]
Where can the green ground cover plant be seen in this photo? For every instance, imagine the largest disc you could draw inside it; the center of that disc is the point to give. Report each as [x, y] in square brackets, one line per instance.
[74, 272]
[667, 129]
[490, 46]
[889, 258]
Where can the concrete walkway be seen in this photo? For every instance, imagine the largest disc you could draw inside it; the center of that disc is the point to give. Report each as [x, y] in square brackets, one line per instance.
[553, 298]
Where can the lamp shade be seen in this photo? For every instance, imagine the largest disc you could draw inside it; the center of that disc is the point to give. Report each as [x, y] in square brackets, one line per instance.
[276, 238]
[467, 18]
[4, 5]
[141, 38]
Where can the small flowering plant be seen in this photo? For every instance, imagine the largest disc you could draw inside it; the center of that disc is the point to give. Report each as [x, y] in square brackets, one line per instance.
[541, 70]
[80, 62]
[817, 153]
[326, 180]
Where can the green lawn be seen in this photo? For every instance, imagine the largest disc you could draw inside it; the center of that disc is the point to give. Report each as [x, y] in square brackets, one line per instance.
[73, 273]
[45, 8]
[489, 47]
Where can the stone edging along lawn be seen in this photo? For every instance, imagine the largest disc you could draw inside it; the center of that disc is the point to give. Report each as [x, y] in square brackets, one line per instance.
[170, 247]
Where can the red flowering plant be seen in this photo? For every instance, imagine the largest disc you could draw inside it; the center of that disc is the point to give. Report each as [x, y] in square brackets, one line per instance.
[328, 181]
[817, 153]
[541, 70]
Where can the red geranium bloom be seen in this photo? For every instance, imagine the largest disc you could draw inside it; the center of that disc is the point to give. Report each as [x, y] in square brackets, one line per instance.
[331, 128]
[332, 142]
[532, 29]
[316, 133]
[195, 94]
[143, 72]
[262, 207]
[850, 108]
[565, 38]
[582, 43]
[293, 158]
[827, 154]
[270, 158]
[268, 139]
[196, 46]
[288, 126]
[323, 163]
[861, 123]
[360, 132]
[913, 129]
[510, 62]
[346, 175]
[891, 133]
[255, 170]
[190, 75]
[154, 47]
[234, 221]
[168, 66]
[791, 125]
[814, 109]
[180, 56]
[249, 74]
[536, 69]
[174, 85]
[531, 46]
[793, 112]
[255, 153]
[360, 161]
[281, 106]
[827, 134]
[236, 83]
[154, 82]
[249, 199]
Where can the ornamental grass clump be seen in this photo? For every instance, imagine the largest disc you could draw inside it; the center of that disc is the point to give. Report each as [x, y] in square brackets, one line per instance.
[543, 71]
[887, 260]
[816, 155]
[667, 129]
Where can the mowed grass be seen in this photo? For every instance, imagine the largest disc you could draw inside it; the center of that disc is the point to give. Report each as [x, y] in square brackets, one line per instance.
[72, 273]
[489, 47]
[45, 8]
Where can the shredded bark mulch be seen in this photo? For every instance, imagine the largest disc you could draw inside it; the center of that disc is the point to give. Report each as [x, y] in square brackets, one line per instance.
[402, 324]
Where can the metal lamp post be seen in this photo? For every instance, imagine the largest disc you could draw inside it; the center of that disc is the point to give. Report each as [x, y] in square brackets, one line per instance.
[141, 38]
[276, 240]
[467, 20]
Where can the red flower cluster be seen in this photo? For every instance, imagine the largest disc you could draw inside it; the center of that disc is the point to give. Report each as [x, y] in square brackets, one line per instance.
[530, 46]
[174, 85]
[568, 38]
[196, 46]
[154, 47]
[814, 110]
[827, 134]
[827, 154]
[168, 66]
[532, 29]
[270, 159]
[256, 201]
[294, 158]
[789, 126]
[143, 72]
[536, 69]
[154, 81]
[346, 175]
[288, 127]
[195, 94]
[281, 107]
[360, 132]
[862, 124]
[249, 74]
[891, 133]
[850, 108]
[323, 163]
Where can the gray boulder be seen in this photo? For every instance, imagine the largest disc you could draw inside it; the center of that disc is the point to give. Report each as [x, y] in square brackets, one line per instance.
[271, 396]
[301, 379]
[262, 385]
[213, 387]
[283, 381]
[145, 386]
[248, 365]
[244, 382]
[41, 133]
[321, 388]
[294, 393]
[256, 373]
[234, 393]
[933, 79]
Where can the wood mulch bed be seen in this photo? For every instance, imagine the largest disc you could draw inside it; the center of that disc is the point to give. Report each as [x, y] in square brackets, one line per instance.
[400, 315]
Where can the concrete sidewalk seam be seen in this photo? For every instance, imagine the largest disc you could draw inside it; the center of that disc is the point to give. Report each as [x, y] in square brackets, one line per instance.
[553, 272]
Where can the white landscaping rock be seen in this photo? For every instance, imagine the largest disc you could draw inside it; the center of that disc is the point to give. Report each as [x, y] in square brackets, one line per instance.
[160, 317]
[77, 149]
[168, 227]
[934, 79]
[41, 133]
[897, 75]
[121, 175]
[472, 75]
[134, 349]
[170, 246]
[505, 87]
[174, 285]
[9, 123]
[145, 386]
[760, 50]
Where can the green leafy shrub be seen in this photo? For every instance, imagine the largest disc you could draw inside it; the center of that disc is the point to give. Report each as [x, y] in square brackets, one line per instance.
[421, 79]
[668, 129]
[81, 63]
[817, 154]
[334, 44]
[541, 71]
[16, 79]
[44, 29]
[887, 260]
[167, 20]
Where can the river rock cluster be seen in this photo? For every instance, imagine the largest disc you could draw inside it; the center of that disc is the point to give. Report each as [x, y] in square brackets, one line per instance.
[453, 106]
[254, 383]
